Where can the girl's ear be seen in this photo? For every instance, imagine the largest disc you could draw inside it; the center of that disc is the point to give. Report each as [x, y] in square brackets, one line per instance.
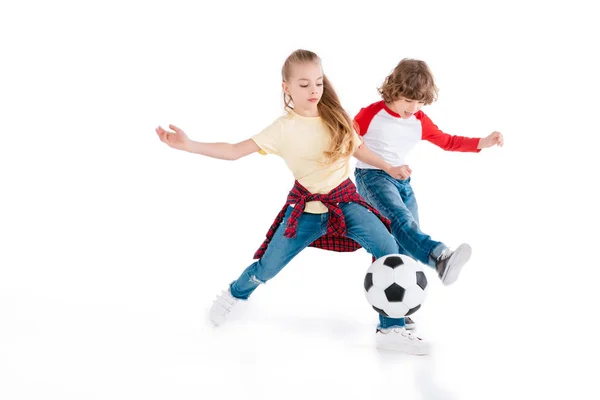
[285, 87]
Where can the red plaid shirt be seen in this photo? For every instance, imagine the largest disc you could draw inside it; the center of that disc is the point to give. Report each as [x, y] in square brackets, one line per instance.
[335, 239]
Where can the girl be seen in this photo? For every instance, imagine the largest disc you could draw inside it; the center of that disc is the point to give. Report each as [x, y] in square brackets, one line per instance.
[391, 128]
[316, 139]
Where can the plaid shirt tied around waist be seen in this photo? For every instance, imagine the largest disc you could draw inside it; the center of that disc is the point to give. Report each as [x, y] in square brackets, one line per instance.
[335, 239]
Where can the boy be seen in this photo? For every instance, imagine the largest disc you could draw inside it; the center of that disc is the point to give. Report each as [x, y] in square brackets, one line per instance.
[391, 128]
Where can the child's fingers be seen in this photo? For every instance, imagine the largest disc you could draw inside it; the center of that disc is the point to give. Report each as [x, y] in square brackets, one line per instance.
[165, 137]
[176, 129]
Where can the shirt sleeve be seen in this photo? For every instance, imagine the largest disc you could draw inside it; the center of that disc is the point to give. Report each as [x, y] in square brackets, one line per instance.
[448, 142]
[359, 122]
[270, 139]
[363, 119]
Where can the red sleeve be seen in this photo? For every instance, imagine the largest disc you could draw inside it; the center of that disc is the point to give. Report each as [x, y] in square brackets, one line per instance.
[365, 116]
[447, 142]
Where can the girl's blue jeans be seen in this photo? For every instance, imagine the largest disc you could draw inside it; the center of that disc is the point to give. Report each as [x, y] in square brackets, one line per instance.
[362, 226]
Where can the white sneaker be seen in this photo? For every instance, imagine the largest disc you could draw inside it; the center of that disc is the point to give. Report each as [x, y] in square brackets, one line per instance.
[399, 339]
[450, 263]
[222, 306]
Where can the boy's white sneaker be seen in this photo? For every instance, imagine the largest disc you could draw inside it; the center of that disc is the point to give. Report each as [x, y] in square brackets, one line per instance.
[399, 339]
[450, 263]
[222, 306]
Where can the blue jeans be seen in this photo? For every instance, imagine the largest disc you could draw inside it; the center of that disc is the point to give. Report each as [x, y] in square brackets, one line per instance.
[395, 199]
[362, 226]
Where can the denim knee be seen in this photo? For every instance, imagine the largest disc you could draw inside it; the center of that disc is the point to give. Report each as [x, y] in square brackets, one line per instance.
[385, 247]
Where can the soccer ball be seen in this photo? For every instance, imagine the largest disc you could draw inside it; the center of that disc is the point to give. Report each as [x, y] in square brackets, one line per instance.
[395, 285]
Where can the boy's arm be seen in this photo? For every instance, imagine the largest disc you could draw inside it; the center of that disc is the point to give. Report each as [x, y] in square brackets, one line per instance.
[493, 139]
[447, 142]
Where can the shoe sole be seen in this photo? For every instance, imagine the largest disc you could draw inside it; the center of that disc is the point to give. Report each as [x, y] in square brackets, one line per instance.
[404, 348]
[457, 260]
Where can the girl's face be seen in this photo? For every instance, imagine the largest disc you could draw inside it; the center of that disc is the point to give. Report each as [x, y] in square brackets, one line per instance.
[305, 86]
[406, 107]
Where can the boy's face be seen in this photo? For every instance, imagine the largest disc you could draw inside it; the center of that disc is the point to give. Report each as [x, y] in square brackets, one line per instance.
[406, 107]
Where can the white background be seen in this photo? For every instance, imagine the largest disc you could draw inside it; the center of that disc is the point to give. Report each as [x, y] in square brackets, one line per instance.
[112, 245]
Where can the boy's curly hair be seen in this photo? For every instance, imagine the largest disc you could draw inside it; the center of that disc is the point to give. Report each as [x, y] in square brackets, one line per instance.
[411, 79]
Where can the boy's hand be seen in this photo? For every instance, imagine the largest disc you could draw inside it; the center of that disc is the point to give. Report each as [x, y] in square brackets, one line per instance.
[177, 139]
[401, 172]
[494, 138]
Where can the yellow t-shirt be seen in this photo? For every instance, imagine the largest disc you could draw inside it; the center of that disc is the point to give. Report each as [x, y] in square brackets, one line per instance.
[301, 142]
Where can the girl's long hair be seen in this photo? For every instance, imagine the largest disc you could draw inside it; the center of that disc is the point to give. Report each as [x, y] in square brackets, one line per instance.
[330, 109]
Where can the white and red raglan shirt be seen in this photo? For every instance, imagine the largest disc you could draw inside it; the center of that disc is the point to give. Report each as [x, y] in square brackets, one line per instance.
[392, 137]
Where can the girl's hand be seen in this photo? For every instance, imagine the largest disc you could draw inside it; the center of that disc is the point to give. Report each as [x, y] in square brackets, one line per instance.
[401, 172]
[494, 138]
[177, 139]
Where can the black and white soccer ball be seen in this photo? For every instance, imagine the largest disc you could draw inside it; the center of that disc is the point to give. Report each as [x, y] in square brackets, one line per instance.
[395, 285]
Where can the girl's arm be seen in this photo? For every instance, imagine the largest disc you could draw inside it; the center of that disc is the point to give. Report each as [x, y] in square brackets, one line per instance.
[223, 151]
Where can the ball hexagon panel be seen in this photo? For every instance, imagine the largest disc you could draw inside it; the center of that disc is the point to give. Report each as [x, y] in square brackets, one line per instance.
[383, 276]
[414, 296]
[405, 276]
[396, 310]
[376, 297]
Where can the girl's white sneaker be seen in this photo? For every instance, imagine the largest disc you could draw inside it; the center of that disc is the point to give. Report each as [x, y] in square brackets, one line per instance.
[222, 306]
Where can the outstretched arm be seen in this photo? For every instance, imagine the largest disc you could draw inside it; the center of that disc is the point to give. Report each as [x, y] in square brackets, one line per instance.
[444, 140]
[177, 139]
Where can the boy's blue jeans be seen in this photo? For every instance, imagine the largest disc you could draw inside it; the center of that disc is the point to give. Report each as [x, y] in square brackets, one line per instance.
[395, 199]
[362, 226]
